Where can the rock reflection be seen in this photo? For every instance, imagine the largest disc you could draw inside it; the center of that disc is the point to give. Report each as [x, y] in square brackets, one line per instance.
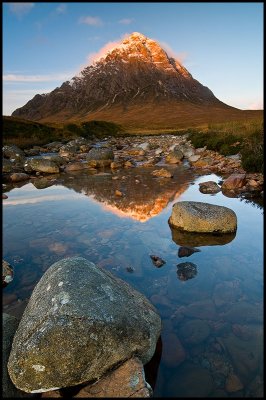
[192, 239]
[143, 195]
[186, 270]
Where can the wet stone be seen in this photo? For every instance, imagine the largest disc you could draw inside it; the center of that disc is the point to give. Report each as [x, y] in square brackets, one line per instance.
[7, 273]
[203, 309]
[157, 261]
[184, 251]
[190, 381]
[163, 173]
[186, 271]
[194, 332]
[173, 352]
[192, 216]
[233, 383]
[225, 293]
[209, 187]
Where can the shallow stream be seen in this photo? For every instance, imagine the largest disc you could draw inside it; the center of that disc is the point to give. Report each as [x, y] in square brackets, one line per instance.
[212, 338]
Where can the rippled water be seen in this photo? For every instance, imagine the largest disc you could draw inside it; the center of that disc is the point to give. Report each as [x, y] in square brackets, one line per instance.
[211, 306]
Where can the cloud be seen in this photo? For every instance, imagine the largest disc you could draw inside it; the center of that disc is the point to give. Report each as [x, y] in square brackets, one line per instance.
[93, 21]
[256, 105]
[181, 57]
[93, 57]
[243, 102]
[36, 78]
[13, 99]
[61, 9]
[20, 9]
[126, 21]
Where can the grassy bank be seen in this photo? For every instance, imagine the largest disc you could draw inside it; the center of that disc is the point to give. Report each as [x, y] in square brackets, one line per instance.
[244, 137]
[228, 138]
[25, 134]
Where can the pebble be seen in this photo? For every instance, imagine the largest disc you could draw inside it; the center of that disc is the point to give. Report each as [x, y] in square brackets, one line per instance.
[233, 383]
[157, 261]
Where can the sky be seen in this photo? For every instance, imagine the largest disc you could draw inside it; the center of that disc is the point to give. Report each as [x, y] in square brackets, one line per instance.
[220, 44]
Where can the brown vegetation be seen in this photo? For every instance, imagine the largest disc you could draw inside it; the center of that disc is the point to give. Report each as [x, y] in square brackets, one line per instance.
[166, 117]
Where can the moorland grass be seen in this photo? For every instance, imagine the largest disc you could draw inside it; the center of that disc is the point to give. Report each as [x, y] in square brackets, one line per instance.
[244, 137]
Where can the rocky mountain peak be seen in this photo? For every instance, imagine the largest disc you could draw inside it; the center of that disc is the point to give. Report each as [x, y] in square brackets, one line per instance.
[134, 72]
[136, 46]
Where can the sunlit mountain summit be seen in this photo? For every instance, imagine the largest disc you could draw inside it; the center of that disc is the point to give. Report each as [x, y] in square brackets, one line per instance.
[135, 75]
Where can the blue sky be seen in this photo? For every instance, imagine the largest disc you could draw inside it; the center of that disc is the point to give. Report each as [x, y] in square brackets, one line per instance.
[221, 44]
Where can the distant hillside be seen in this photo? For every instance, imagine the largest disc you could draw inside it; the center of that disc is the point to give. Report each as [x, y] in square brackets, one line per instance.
[26, 133]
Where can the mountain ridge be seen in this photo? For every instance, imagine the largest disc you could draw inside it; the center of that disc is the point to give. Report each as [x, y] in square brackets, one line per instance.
[134, 76]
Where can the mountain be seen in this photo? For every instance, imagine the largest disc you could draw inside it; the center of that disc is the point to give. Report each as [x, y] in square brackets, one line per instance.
[135, 84]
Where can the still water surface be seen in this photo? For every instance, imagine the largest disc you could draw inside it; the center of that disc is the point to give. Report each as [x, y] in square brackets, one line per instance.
[211, 307]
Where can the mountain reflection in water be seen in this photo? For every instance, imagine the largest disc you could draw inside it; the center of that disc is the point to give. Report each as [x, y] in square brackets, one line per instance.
[211, 306]
[143, 195]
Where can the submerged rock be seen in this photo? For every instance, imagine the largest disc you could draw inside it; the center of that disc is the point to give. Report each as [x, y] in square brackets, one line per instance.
[186, 271]
[173, 352]
[80, 322]
[194, 332]
[246, 356]
[195, 216]
[157, 261]
[163, 173]
[190, 380]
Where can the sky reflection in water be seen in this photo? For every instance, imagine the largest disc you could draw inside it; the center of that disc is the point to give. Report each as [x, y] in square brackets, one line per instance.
[211, 306]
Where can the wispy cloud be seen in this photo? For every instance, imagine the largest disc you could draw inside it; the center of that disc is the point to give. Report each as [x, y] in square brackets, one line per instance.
[93, 57]
[93, 21]
[61, 9]
[20, 9]
[13, 99]
[181, 57]
[243, 102]
[256, 105]
[37, 78]
[126, 21]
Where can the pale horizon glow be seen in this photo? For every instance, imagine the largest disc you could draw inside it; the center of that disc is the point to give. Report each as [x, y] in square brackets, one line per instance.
[50, 43]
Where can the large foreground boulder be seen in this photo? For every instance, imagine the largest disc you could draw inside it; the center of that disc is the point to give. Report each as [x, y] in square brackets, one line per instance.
[9, 326]
[80, 322]
[192, 216]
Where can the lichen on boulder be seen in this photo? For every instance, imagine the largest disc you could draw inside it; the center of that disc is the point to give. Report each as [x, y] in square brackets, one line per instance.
[192, 216]
[80, 322]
